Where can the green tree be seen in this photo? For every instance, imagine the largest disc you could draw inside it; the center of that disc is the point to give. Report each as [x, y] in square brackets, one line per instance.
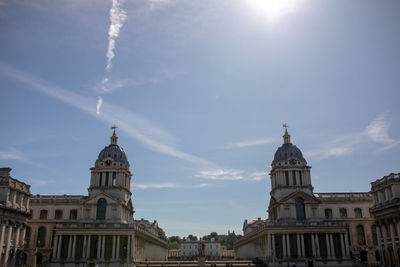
[161, 234]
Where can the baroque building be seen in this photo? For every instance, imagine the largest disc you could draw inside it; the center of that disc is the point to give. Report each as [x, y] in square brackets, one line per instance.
[14, 212]
[386, 210]
[97, 229]
[308, 228]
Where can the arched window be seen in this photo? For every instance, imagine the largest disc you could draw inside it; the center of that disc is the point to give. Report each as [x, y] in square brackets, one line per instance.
[101, 179]
[300, 209]
[101, 209]
[360, 235]
[294, 177]
[300, 178]
[41, 239]
[287, 177]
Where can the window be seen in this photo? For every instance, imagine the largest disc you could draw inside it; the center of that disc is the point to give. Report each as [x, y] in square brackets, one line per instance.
[101, 209]
[328, 213]
[374, 236]
[287, 177]
[73, 214]
[101, 179]
[300, 210]
[300, 178]
[43, 215]
[294, 177]
[27, 236]
[107, 176]
[41, 239]
[360, 235]
[114, 178]
[343, 213]
[58, 215]
[358, 212]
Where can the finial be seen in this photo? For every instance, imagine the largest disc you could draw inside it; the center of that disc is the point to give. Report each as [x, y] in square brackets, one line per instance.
[114, 137]
[286, 136]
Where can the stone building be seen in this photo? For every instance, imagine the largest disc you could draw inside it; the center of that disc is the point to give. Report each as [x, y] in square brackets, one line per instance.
[14, 211]
[190, 249]
[386, 210]
[77, 230]
[307, 228]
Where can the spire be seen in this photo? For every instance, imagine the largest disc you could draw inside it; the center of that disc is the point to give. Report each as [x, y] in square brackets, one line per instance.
[114, 137]
[286, 136]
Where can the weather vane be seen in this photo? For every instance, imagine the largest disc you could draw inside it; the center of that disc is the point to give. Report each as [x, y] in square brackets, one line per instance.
[285, 125]
[114, 127]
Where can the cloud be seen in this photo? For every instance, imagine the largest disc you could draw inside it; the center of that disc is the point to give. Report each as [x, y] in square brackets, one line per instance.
[254, 142]
[117, 19]
[98, 106]
[137, 127]
[231, 174]
[11, 154]
[378, 131]
[168, 185]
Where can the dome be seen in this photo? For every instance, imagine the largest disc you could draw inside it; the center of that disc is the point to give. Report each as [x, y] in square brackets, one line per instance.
[286, 151]
[115, 152]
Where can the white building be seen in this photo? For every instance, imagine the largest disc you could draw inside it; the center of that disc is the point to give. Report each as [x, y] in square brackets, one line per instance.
[190, 249]
[71, 230]
[311, 229]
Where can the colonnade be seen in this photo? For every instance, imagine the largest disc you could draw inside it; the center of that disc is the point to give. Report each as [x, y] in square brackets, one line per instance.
[121, 250]
[388, 242]
[12, 236]
[301, 247]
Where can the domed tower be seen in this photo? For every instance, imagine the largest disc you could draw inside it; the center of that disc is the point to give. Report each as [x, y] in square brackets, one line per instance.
[289, 172]
[111, 173]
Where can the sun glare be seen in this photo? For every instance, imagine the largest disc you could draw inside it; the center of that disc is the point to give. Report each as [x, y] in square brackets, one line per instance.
[273, 9]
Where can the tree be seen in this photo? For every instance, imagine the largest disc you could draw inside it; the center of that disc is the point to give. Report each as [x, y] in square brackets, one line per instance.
[161, 234]
[192, 237]
[174, 245]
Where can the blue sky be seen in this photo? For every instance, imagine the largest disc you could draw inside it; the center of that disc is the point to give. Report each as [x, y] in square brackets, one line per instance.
[199, 90]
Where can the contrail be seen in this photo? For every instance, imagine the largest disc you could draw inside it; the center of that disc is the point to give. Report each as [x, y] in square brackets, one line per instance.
[117, 18]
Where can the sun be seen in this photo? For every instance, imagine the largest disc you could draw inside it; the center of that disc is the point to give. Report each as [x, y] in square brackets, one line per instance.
[273, 9]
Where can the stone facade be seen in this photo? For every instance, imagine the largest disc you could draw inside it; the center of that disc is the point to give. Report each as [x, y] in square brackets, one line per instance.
[307, 228]
[76, 230]
[189, 249]
[14, 211]
[386, 210]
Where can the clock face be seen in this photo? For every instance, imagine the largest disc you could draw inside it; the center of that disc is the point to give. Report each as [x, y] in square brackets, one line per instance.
[292, 162]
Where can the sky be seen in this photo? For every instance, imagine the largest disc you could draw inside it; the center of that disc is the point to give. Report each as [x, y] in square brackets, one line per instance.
[199, 91]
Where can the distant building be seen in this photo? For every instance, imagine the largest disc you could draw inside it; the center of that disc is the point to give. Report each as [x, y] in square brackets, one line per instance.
[14, 211]
[307, 228]
[189, 249]
[97, 229]
[386, 210]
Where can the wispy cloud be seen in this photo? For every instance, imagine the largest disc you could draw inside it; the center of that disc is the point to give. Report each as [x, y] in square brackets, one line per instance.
[231, 174]
[98, 106]
[117, 19]
[11, 154]
[253, 142]
[376, 131]
[168, 185]
[138, 127]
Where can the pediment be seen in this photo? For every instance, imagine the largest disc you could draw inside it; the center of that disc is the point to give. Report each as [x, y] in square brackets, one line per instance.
[94, 198]
[292, 197]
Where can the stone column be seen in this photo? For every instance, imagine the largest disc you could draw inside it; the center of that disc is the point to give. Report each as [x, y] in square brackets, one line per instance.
[284, 244]
[342, 245]
[88, 247]
[3, 232]
[128, 250]
[69, 246]
[303, 251]
[298, 246]
[8, 243]
[317, 246]
[55, 246]
[392, 235]
[288, 244]
[16, 240]
[133, 245]
[118, 244]
[332, 245]
[84, 247]
[328, 247]
[103, 245]
[59, 247]
[269, 247]
[379, 237]
[113, 248]
[313, 245]
[346, 244]
[22, 237]
[99, 246]
[73, 247]
[273, 251]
